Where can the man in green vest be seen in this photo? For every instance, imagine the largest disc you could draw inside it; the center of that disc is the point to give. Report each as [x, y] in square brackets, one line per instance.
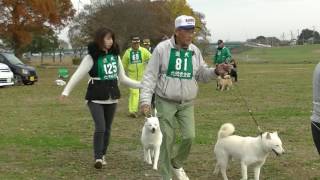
[172, 74]
[222, 55]
[134, 61]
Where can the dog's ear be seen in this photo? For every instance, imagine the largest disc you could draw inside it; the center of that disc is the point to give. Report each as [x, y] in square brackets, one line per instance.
[276, 133]
[268, 136]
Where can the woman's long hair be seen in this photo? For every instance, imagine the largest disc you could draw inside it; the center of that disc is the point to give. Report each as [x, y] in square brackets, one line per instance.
[99, 40]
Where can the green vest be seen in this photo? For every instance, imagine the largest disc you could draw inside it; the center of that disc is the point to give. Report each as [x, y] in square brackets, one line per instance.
[108, 67]
[135, 57]
[180, 64]
[222, 55]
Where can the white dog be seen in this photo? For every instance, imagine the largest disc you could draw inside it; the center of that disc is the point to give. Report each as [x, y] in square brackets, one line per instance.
[151, 139]
[249, 150]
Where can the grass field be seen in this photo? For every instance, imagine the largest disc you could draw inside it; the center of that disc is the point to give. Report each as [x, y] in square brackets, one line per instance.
[41, 138]
[291, 54]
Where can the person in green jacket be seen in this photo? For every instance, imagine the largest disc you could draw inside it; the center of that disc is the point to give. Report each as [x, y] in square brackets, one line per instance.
[222, 55]
[134, 61]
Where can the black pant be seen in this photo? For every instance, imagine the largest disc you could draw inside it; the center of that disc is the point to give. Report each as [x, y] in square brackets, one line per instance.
[315, 129]
[102, 115]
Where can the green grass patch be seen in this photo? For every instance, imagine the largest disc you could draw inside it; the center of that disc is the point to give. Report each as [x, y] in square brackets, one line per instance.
[41, 138]
[290, 54]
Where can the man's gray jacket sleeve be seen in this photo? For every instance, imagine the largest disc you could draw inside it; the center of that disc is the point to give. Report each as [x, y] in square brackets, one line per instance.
[150, 78]
[204, 73]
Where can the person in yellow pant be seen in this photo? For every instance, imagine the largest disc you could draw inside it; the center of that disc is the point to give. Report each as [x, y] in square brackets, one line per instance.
[134, 61]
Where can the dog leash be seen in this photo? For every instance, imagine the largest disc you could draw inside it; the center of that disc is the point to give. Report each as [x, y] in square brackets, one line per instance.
[249, 110]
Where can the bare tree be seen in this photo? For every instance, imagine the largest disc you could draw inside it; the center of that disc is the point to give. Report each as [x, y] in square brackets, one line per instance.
[145, 18]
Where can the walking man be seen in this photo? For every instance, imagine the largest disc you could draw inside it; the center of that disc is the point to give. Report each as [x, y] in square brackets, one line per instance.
[172, 74]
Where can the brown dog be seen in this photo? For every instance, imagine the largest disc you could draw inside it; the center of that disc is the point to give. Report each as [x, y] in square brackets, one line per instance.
[224, 83]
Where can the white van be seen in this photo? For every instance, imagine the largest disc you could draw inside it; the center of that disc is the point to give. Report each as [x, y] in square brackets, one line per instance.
[6, 75]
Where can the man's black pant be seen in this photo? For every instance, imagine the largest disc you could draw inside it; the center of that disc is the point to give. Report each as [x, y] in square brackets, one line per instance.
[315, 129]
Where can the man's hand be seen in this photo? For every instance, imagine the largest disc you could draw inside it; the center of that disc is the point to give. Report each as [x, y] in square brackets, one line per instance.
[223, 69]
[145, 109]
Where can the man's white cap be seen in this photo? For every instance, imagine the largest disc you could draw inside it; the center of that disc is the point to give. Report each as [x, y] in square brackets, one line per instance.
[185, 22]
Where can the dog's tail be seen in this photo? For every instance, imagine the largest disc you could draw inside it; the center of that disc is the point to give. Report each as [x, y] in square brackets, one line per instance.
[226, 129]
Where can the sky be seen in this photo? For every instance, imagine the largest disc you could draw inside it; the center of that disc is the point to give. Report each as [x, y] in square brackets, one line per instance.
[238, 20]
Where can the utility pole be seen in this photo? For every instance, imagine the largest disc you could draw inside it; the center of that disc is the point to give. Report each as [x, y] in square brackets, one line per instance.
[314, 30]
[283, 36]
[298, 36]
[302, 36]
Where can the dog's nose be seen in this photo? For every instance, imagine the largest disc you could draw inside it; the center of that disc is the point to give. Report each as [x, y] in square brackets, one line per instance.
[153, 130]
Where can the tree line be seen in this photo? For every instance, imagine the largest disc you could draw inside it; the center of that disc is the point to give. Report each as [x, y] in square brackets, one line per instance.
[25, 22]
[306, 36]
[127, 18]
[32, 25]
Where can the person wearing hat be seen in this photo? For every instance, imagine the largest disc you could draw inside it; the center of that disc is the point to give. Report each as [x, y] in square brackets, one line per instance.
[222, 55]
[134, 60]
[147, 44]
[172, 74]
[105, 69]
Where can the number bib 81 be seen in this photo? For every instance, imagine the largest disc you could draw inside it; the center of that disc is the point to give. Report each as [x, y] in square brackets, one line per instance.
[180, 64]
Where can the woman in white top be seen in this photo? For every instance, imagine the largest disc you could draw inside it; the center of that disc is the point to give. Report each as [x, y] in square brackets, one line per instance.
[105, 69]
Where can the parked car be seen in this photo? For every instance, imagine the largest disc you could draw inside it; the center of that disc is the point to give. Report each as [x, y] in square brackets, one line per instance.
[22, 73]
[6, 75]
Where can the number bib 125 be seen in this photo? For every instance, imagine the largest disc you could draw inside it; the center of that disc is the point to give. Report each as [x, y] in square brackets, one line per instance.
[108, 67]
[180, 64]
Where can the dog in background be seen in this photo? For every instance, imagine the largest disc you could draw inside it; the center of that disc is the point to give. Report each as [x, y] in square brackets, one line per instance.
[249, 150]
[233, 72]
[224, 83]
[151, 139]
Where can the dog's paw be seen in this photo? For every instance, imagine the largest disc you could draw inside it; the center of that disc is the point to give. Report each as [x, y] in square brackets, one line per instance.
[154, 168]
[216, 170]
[148, 161]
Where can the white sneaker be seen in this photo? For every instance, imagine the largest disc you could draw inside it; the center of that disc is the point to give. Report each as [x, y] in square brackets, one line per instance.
[104, 162]
[180, 174]
[98, 164]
